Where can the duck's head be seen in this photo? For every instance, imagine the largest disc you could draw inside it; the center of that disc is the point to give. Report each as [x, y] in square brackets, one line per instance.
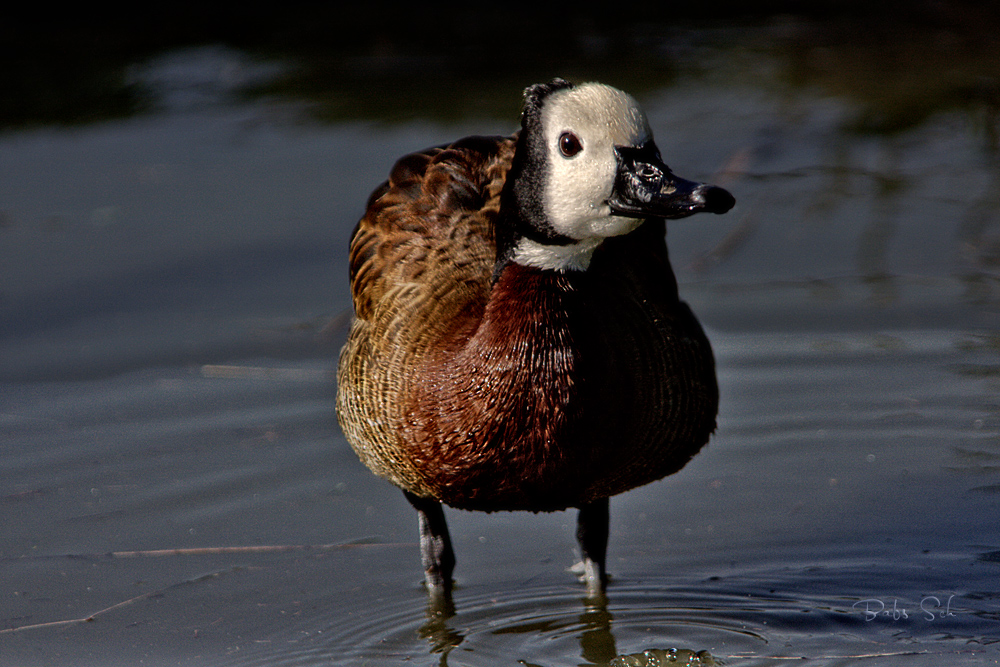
[586, 169]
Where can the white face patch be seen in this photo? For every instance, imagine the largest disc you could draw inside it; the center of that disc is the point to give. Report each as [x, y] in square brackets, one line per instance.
[578, 186]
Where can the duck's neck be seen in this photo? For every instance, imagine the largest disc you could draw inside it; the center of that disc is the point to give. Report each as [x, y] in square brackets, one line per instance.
[528, 324]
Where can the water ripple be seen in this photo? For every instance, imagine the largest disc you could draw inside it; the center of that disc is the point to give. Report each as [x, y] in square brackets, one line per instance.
[809, 615]
[535, 626]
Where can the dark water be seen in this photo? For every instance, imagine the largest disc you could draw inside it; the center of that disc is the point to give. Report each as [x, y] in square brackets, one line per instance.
[175, 489]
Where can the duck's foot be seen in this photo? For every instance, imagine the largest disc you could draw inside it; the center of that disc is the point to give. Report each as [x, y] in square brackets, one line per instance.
[592, 534]
[436, 552]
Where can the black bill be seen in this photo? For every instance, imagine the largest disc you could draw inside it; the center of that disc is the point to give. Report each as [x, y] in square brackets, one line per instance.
[646, 188]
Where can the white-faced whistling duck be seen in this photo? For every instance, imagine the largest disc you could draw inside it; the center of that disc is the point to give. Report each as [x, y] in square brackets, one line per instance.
[518, 341]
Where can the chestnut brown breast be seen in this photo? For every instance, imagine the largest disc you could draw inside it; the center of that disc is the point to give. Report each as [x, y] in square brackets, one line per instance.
[531, 389]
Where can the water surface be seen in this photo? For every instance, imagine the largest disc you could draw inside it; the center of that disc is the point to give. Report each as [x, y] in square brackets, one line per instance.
[175, 488]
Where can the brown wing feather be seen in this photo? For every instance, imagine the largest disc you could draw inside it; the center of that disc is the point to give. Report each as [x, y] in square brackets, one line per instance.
[421, 259]
[435, 213]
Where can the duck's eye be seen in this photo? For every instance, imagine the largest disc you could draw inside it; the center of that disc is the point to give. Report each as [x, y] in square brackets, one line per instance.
[569, 144]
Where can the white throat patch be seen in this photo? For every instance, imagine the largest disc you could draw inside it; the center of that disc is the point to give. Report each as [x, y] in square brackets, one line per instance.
[573, 257]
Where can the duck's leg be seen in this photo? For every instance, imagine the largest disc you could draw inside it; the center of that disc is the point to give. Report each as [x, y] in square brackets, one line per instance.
[592, 534]
[435, 545]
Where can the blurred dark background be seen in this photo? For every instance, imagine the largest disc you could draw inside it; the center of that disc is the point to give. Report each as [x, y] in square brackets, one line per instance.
[899, 60]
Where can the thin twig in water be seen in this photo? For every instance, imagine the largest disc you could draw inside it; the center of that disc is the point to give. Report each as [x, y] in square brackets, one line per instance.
[214, 551]
[118, 605]
[197, 551]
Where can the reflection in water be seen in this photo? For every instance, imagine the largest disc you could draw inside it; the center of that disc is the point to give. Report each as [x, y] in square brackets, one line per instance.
[441, 637]
[592, 627]
[597, 643]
